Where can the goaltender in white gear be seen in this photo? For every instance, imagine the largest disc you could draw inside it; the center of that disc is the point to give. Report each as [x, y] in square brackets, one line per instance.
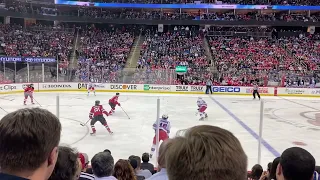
[91, 88]
[202, 106]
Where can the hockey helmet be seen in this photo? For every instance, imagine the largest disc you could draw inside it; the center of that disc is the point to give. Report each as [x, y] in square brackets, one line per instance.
[117, 94]
[97, 102]
[165, 116]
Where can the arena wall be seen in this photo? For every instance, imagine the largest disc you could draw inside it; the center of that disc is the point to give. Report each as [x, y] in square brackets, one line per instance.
[156, 88]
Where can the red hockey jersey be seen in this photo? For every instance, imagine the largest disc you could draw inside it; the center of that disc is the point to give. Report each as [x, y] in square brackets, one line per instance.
[97, 111]
[29, 89]
[114, 100]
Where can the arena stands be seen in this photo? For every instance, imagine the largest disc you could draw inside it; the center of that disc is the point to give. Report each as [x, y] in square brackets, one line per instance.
[103, 54]
[162, 52]
[158, 14]
[35, 41]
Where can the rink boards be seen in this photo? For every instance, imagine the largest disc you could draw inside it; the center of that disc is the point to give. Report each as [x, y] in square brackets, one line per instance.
[157, 88]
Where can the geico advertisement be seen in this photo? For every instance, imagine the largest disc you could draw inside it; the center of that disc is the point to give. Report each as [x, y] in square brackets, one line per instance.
[226, 89]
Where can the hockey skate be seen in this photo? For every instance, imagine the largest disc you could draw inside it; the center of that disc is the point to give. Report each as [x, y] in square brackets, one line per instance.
[93, 133]
[206, 115]
[201, 119]
[110, 132]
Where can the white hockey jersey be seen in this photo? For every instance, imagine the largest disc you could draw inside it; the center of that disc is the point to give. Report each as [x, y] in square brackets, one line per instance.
[164, 125]
[201, 102]
[90, 85]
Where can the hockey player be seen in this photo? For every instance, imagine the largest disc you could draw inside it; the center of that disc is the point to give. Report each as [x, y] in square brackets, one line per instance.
[28, 92]
[202, 106]
[96, 114]
[91, 88]
[113, 102]
[164, 131]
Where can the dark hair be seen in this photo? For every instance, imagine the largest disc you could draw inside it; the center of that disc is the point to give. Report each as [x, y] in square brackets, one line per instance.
[273, 169]
[317, 169]
[162, 153]
[133, 163]
[67, 164]
[138, 159]
[123, 170]
[131, 157]
[27, 138]
[107, 150]
[297, 163]
[145, 157]
[269, 166]
[102, 164]
[256, 172]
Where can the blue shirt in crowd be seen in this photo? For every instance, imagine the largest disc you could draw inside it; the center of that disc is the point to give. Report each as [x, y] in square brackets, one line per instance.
[162, 175]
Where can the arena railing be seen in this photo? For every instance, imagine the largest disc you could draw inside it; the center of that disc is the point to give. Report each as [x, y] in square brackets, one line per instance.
[27, 72]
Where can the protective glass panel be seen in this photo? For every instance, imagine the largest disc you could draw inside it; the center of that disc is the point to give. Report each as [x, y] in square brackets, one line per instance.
[22, 72]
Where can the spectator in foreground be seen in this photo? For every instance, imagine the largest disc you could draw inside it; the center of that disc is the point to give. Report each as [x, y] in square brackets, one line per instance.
[134, 165]
[256, 172]
[296, 164]
[273, 169]
[145, 163]
[107, 150]
[38, 130]
[123, 170]
[102, 166]
[84, 159]
[204, 153]
[162, 172]
[68, 166]
[139, 172]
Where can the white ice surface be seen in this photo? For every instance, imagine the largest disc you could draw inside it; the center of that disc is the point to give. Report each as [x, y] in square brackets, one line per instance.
[285, 121]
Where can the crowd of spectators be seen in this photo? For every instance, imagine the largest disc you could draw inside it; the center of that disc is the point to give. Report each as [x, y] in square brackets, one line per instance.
[35, 41]
[103, 53]
[242, 59]
[239, 56]
[162, 52]
[202, 152]
[244, 2]
[90, 12]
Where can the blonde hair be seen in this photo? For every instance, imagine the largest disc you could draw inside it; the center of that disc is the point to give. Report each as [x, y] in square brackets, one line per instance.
[162, 151]
[206, 153]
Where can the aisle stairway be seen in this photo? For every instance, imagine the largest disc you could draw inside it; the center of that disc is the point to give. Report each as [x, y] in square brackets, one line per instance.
[133, 58]
[74, 57]
[209, 54]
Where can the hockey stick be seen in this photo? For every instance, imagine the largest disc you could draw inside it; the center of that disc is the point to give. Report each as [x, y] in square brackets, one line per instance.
[37, 102]
[125, 112]
[3, 110]
[83, 124]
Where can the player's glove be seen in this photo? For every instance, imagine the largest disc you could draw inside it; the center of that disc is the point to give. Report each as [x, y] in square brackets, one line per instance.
[119, 104]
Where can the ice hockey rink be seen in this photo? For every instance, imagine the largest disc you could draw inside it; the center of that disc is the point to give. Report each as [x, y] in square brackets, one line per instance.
[286, 121]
